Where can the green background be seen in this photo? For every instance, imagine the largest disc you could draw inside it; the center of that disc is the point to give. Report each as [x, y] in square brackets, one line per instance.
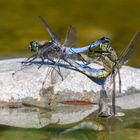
[19, 23]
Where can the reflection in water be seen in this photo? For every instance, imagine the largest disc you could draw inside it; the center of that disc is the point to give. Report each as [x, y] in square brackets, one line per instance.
[33, 117]
[68, 122]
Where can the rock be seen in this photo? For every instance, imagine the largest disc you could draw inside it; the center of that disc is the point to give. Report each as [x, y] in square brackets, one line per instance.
[25, 103]
[129, 101]
[27, 83]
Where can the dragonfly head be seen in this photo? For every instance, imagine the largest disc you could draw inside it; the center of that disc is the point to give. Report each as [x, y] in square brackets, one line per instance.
[34, 45]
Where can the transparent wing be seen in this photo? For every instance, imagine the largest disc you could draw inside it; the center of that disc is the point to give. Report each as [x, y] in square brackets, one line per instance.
[127, 52]
[71, 38]
[71, 42]
[124, 56]
[50, 32]
[55, 73]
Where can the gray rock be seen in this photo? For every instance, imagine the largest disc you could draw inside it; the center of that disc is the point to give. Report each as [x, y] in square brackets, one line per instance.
[27, 83]
[24, 103]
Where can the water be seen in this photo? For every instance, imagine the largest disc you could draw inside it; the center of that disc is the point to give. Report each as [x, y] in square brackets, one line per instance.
[132, 133]
[68, 122]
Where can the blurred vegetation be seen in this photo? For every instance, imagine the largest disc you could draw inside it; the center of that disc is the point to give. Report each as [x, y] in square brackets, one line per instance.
[19, 23]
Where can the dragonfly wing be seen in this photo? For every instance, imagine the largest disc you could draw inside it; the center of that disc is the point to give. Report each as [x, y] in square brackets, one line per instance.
[50, 32]
[71, 38]
[71, 43]
[53, 74]
[127, 52]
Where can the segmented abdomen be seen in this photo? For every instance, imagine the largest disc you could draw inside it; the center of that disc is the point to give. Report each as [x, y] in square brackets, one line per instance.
[91, 72]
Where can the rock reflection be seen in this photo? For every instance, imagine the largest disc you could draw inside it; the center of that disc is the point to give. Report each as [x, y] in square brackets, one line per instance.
[67, 122]
[33, 117]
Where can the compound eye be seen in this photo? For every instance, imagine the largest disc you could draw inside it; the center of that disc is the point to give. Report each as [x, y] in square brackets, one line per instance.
[33, 45]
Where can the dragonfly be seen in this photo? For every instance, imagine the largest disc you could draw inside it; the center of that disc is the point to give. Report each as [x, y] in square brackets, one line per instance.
[111, 63]
[55, 49]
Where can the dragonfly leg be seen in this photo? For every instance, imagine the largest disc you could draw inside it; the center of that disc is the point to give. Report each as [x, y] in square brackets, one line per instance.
[51, 60]
[120, 82]
[30, 59]
[82, 59]
[42, 61]
[24, 63]
[113, 96]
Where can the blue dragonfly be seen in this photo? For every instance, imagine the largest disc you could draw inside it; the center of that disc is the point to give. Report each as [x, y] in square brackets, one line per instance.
[55, 49]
